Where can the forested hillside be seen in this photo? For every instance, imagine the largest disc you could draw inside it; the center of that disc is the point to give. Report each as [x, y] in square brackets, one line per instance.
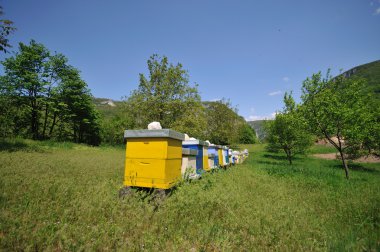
[371, 73]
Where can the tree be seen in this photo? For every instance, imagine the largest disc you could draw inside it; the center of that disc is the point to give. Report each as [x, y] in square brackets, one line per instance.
[223, 122]
[41, 92]
[247, 134]
[6, 28]
[167, 97]
[287, 131]
[26, 81]
[337, 109]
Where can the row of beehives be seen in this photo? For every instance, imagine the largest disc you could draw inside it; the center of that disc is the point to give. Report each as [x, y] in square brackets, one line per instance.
[159, 158]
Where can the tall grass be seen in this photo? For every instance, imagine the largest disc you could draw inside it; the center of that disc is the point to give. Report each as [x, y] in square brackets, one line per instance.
[67, 199]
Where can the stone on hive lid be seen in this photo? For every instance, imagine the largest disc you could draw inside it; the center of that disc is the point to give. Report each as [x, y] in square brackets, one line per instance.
[154, 126]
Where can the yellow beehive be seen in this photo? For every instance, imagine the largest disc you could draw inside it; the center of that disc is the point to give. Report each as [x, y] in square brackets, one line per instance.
[206, 164]
[153, 158]
[220, 156]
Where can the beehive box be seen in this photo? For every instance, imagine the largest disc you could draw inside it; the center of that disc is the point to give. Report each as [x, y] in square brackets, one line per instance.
[211, 163]
[220, 155]
[202, 156]
[213, 149]
[225, 154]
[153, 158]
[189, 162]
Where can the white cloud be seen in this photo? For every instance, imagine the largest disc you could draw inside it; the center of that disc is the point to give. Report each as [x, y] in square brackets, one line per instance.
[377, 12]
[286, 79]
[275, 93]
[258, 117]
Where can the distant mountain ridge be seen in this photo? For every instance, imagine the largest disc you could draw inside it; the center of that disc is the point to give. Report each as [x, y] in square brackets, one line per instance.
[107, 107]
[369, 71]
[258, 126]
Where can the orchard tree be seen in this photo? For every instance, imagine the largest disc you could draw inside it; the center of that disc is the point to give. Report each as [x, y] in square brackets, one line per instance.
[287, 131]
[166, 96]
[337, 109]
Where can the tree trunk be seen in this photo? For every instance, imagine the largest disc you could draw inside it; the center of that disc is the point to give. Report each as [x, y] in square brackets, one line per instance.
[344, 163]
[288, 155]
[53, 124]
[34, 123]
[45, 121]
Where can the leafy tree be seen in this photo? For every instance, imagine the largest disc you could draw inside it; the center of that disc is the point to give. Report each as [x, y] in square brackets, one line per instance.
[6, 28]
[287, 131]
[26, 80]
[167, 97]
[40, 92]
[223, 122]
[337, 109]
[247, 134]
[113, 123]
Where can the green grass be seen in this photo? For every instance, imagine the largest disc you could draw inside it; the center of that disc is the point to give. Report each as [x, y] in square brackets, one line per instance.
[322, 149]
[67, 199]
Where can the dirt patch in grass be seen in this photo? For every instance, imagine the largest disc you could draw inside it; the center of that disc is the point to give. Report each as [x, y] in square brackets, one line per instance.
[364, 159]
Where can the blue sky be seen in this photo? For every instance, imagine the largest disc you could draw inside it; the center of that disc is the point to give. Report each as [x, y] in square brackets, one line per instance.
[248, 51]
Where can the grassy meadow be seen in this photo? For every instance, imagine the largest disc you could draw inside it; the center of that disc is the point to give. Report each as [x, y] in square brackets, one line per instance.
[65, 197]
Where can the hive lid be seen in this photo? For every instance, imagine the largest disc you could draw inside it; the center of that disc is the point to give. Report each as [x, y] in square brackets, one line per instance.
[154, 134]
[189, 152]
[194, 142]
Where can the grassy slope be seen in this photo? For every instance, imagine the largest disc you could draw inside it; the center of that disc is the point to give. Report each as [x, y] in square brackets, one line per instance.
[66, 198]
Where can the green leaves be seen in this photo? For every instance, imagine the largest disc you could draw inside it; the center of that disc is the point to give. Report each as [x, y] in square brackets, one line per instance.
[338, 109]
[47, 96]
[6, 28]
[167, 97]
[288, 131]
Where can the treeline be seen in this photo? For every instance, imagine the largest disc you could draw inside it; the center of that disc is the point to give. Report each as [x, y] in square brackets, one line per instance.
[166, 96]
[43, 97]
[339, 110]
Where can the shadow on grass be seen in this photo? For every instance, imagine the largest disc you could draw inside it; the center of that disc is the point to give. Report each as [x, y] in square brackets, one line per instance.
[358, 167]
[276, 157]
[268, 162]
[16, 145]
[12, 146]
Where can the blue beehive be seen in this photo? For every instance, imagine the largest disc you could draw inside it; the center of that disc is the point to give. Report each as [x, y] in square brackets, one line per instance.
[230, 156]
[225, 153]
[200, 146]
[213, 149]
